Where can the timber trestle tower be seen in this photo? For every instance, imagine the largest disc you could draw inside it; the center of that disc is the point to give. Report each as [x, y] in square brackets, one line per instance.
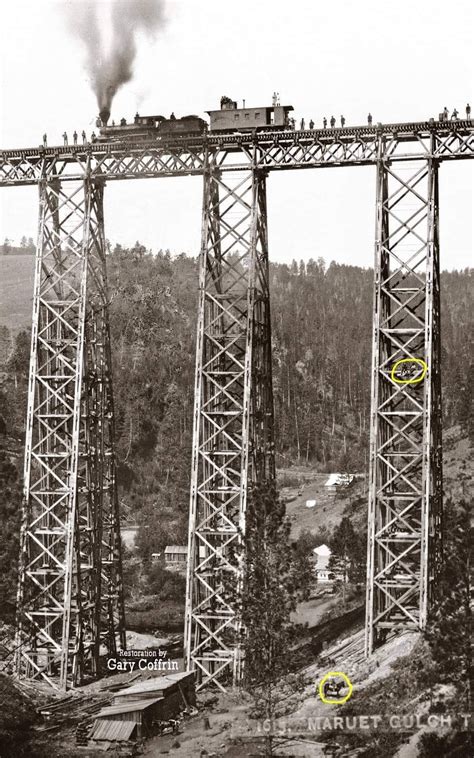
[70, 603]
[70, 590]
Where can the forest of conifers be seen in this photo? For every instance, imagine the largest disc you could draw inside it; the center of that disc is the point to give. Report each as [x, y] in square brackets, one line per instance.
[321, 333]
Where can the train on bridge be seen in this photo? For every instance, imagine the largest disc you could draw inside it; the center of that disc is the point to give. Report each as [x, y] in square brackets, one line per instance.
[226, 119]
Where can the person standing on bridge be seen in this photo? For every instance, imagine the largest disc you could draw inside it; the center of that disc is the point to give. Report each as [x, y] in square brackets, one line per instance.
[454, 115]
[468, 112]
[65, 138]
[45, 140]
[74, 136]
[325, 123]
[332, 122]
[343, 121]
[369, 119]
[311, 124]
[84, 139]
[445, 114]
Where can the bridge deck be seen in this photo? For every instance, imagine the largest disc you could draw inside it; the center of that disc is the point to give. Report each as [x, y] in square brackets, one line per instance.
[269, 150]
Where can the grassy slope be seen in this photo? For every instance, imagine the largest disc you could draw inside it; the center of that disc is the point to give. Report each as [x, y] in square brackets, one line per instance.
[329, 508]
[16, 290]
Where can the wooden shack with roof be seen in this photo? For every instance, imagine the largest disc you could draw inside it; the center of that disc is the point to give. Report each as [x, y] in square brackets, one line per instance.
[137, 710]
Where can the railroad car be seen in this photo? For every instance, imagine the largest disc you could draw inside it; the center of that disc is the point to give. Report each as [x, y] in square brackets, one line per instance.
[146, 128]
[229, 118]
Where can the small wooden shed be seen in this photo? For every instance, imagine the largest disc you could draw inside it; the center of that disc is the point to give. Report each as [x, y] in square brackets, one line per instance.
[142, 713]
[176, 556]
[177, 690]
[139, 707]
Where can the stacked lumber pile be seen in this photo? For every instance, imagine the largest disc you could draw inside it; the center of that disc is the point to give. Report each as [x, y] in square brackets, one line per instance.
[71, 710]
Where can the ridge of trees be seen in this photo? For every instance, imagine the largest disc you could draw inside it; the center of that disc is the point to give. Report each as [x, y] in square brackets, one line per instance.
[26, 247]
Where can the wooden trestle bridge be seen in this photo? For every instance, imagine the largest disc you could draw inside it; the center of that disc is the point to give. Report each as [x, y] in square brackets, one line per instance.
[70, 599]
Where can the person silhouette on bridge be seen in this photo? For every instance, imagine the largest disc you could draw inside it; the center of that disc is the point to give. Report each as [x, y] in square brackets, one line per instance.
[311, 124]
[74, 136]
[468, 112]
[84, 139]
[45, 140]
[325, 123]
[65, 138]
[302, 124]
[172, 117]
[454, 115]
[369, 119]
[343, 121]
[333, 122]
[445, 114]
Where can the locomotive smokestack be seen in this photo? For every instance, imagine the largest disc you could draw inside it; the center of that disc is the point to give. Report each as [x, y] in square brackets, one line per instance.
[104, 115]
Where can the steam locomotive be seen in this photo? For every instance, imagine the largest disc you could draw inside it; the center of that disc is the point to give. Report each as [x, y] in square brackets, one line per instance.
[146, 128]
[228, 118]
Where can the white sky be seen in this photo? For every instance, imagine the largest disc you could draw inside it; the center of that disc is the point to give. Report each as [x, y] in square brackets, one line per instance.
[402, 61]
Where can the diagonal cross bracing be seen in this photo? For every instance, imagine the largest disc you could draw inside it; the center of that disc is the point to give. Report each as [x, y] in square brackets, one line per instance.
[269, 150]
[69, 592]
[405, 448]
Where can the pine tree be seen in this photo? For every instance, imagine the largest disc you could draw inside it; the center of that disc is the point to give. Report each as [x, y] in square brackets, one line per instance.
[449, 630]
[10, 500]
[348, 554]
[276, 577]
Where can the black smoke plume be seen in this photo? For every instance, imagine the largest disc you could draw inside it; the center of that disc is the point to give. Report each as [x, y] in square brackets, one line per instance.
[111, 69]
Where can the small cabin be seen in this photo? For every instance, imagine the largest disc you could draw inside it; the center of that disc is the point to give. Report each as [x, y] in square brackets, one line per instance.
[136, 710]
[176, 556]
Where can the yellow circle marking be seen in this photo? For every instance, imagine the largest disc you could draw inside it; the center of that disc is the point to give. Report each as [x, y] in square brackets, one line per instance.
[417, 379]
[334, 674]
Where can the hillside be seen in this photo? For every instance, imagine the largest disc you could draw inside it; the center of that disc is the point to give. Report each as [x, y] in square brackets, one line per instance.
[330, 505]
[321, 343]
[16, 290]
